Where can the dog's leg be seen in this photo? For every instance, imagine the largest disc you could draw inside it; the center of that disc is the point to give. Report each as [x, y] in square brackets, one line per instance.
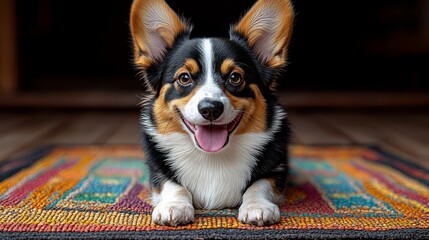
[173, 205]
[259, 205]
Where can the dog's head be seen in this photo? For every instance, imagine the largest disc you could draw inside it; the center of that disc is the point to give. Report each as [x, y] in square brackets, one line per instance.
[211, 88]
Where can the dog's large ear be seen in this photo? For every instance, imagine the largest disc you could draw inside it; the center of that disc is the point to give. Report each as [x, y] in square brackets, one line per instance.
[155, 28]
[267, 28]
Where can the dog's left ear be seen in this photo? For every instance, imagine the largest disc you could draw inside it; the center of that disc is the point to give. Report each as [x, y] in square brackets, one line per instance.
[267, 28]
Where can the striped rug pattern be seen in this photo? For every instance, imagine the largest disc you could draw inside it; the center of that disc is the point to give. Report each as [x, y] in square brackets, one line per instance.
[103, 192]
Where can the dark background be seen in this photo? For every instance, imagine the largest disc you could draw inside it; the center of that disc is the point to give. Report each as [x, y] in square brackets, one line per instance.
[358, 72]
[382, 45]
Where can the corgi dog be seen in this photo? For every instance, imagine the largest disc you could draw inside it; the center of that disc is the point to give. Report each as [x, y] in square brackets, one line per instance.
[213, 132]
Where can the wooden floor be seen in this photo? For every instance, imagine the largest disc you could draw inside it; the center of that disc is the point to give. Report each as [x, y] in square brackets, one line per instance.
[403, 133]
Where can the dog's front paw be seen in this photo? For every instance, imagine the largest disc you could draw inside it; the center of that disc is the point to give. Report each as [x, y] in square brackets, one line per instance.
[173, 213]
[259, 213]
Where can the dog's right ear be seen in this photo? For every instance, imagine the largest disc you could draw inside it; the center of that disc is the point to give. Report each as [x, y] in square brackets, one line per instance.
[155, 28]
[267, 28]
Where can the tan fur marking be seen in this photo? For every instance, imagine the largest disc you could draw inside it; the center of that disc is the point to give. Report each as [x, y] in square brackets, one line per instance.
[177, 87]
[156, 190]
[190, 66]
[228, 66]
[183, 192]
[273, 186]
[142, 61]
[242, 86]
[254, 118]
[166, 118]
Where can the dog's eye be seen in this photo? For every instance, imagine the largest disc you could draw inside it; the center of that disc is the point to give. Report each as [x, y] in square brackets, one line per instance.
[235, 79]
[184, 79]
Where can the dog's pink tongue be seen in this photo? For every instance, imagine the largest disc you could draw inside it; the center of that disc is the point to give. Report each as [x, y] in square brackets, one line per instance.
[211, 138]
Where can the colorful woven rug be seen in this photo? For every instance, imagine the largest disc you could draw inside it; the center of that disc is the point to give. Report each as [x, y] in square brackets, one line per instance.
[89, 192]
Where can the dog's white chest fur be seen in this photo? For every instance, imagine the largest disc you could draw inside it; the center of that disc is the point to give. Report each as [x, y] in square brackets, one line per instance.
[215, 180]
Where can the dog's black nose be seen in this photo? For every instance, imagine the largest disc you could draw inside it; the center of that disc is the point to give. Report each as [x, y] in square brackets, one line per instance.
[210, 109]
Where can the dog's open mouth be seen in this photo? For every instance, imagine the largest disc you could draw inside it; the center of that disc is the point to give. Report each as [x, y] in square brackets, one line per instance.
[212, 138]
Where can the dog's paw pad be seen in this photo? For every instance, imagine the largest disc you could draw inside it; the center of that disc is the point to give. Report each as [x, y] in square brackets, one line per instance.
[173, 213]
[259, 213]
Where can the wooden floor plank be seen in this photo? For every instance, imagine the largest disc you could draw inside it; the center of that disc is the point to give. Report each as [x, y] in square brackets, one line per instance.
[75, 128]
[351, 125]
[369, 129]
[86, 128]
[406, 134]
[27, 134]
[310, 131]
[128, 131]
[418, 118]
[415, 127]
[9, 121]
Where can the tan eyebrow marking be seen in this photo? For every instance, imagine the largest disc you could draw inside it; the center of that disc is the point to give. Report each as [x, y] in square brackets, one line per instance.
[190, 66]
[228, 65]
